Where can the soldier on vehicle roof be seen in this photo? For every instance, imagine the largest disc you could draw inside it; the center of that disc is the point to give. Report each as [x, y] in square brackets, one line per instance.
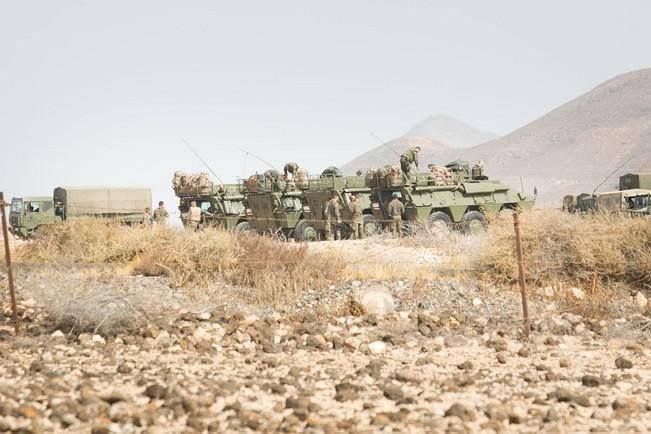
[408, 158]
[395, 209]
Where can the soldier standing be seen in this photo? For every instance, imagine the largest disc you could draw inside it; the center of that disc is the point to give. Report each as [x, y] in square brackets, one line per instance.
[161, 214]
[194, 217]
[357, 219]
[408, 158]
[290, 168]
[148, 217]
[333, 218]
[395, 209]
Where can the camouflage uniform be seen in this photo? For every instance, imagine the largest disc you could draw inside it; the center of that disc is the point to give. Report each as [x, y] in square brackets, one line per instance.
[333, 219]
[161, 215]
[290, 168]
[395, 209]
[357, 220]
[194, 217]
[408, 158]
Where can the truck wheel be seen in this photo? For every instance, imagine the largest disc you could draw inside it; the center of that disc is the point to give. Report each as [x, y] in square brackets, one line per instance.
[439, 221]
[371, 225]
[473, 222]
[242, 227]
[304, 232]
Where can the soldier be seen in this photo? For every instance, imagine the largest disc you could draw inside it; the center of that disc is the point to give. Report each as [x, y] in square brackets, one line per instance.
[194, 217]
[408, 158]
[148, 217]
[290, 168]
[395, 209]
[357, 219]
[333, 218]
[161, 214]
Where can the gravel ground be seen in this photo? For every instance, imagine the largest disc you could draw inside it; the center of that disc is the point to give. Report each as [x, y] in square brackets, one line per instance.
[364, 356]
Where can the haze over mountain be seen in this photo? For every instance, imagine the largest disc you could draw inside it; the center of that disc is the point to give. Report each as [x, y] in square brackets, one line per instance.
[575, 146]
[437, 135]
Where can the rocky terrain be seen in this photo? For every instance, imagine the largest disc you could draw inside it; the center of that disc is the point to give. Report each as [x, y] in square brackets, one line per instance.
[396, 355]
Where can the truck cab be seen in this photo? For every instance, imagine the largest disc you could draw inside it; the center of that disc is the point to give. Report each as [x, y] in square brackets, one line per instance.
[29, 213]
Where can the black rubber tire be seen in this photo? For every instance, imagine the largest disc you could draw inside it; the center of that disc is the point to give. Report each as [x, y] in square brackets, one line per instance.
[242, 227]
[370, 225]
[303, 232]
[439, 220]
[473, 221]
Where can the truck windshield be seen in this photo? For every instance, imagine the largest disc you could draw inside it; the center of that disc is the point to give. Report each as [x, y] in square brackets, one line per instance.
[639, 202]
[233, 207]
[16, 206]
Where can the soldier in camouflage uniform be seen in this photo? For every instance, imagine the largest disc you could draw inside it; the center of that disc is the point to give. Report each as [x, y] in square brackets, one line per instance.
[333, 218]
[290, 168]
[408, 158]
[194, 217]
[161, 214]
[357, 219]
[395, 209]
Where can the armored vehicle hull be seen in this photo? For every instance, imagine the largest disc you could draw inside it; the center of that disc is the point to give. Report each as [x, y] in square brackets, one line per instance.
[222, 206]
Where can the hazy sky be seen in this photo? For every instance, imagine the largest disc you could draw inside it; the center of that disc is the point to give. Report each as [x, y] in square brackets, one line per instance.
[97, 93]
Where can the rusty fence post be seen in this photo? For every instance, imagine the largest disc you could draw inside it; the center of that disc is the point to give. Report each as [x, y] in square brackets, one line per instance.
[10, 274]
[521, 278]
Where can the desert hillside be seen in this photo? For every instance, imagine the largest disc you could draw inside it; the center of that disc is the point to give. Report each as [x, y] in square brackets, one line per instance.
[572, 148]
[437, 135]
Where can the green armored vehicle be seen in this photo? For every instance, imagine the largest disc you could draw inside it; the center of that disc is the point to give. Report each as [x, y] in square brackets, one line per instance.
[313, 226]
[223, 207]
[453, 195]
[274, 205]
[123, 204]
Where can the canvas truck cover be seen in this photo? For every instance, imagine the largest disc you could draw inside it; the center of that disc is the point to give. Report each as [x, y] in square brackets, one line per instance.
[614, 201]
[103, 200]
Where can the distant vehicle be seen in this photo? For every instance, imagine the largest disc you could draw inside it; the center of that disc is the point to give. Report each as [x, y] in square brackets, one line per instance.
[635, 201]
[633, 197]
[123, 204]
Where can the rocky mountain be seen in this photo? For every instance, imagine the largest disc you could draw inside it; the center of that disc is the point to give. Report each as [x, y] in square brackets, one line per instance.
[437, 135]
[575, 146]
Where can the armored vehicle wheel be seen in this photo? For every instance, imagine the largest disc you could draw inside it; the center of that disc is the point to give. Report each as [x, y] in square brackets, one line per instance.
[242, 227]
[473, 222]
[439, 221]
[371, 226]
[304, 232]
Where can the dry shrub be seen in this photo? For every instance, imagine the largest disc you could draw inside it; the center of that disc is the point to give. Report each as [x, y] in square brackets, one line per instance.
[563, 249]
[277, 271]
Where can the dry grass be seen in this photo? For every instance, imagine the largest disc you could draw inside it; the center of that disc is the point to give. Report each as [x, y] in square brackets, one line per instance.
[599, 254]
[278, 272]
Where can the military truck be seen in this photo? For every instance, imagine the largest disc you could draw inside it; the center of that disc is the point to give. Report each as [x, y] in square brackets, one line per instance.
[223, 207]
[122, 204]
[449, 196]
[313, 226]
[634, 201]
[273, 205]
[632, 197]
